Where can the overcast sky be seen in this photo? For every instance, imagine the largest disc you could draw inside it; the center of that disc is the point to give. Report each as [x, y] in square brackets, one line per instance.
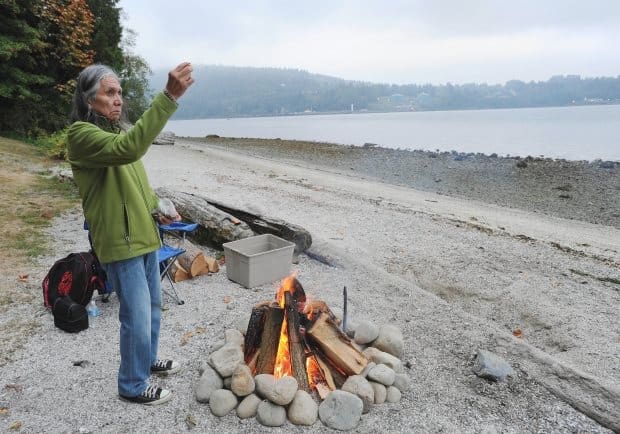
[388, 41]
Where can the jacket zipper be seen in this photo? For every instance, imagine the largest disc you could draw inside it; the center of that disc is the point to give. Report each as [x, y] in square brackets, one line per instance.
[127, 233]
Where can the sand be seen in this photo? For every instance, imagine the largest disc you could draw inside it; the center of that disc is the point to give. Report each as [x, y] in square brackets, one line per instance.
[455, 273]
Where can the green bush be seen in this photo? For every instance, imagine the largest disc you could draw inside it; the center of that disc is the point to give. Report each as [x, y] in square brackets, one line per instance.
[55, 144]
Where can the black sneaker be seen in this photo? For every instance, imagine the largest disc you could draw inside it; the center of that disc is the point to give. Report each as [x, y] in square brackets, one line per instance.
[153, 395]
[165, 367]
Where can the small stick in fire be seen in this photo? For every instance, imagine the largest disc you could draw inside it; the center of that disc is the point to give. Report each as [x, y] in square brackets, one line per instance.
[344, 309]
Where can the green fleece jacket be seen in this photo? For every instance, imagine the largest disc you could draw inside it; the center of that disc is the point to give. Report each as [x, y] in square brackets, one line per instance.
[116, 196]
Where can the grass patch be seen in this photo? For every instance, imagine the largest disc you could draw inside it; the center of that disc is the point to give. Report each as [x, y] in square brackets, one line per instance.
[30, 198]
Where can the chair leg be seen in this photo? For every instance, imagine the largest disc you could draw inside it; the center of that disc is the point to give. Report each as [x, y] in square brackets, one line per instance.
[173, 292]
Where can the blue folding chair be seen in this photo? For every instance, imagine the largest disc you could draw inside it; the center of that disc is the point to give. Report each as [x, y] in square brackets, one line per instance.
[167, 254]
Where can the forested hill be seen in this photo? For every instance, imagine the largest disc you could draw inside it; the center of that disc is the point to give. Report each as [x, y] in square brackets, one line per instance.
[224, 91]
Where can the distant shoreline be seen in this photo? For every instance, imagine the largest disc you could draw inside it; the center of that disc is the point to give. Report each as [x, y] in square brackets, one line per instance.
[363, 112]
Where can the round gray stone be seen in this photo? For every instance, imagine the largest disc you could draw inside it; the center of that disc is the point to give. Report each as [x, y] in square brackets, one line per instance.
[341, 410]
[375, 355]
[390, 340]
[242, 322]
[265, 384]
[248, 407]
[242, 383]
[303, 410]
[234, 337]
[226, 359]
[209, 382]
[222, 402]
[382, 374]
[270, 414]
[227, 382]
[380, 392]
[283, 391]
[401, 382]
[358, 385]
[393, 394]
[367, 369]
[366, 332]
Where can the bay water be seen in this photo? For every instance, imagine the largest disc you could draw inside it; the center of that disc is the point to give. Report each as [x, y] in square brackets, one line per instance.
[573, 133]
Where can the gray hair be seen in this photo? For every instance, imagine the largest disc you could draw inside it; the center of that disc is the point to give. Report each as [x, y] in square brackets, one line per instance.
[86, 89]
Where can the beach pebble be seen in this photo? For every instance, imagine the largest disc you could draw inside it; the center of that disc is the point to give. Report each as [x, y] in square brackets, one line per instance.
[393, 394]
[242, 382]
[358, 385]
[303, 409]
[227, 382]
[283, 391]
[233, 337]
[222, 402]
[366, 332]
[390, 340]
[341, 410]
[491, 366]
[242, 322]
[248, 407]
[401, 382]
[382, 374]
[375, 355]
[367, 369]
[380, 392]
[264, 384]
[351, 328]
[208, 383]
[270, 414]
[226, 359]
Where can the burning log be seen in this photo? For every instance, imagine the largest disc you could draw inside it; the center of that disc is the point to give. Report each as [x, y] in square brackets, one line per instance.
[329, 368]
[337, 346]
[254, 331]
[295, 341]
[270, 340]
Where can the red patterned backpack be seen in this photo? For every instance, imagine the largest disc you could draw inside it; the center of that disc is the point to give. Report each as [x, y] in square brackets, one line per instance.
[77, 275]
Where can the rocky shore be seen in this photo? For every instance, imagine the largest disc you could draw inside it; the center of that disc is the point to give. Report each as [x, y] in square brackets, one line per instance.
[580, 190]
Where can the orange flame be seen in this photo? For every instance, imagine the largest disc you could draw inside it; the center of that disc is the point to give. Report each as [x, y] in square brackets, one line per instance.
[283, 365]
[314, 372]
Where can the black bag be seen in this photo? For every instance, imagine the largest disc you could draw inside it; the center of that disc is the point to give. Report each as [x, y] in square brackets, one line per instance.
[76, 276]
[69, 315]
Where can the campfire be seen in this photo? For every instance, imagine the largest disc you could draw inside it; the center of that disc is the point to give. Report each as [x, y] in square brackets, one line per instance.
[294, 347]
[301, 338]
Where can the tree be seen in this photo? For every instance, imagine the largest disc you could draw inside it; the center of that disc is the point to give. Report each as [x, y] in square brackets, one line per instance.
[134, 78]
[70, 25]
[22, 76]
[107, 33]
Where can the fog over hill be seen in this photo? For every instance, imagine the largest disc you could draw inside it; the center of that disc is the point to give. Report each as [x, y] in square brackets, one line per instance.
[227, 91]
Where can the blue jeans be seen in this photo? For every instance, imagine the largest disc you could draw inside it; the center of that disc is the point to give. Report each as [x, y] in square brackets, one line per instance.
[137, 284]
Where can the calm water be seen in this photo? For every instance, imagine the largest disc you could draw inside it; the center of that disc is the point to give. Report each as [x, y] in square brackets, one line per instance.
[576, 133]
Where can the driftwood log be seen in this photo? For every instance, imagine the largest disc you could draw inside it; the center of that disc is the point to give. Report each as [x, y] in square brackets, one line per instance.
[165, 138]
[220, 223]
[215, 227]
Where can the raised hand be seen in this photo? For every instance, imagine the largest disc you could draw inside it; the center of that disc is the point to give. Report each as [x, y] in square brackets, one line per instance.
[179, 79]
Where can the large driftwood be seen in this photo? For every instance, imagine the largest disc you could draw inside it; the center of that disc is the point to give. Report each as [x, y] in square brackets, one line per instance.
[337, 346]
[216, 227]
[229, 223]
[269, 225]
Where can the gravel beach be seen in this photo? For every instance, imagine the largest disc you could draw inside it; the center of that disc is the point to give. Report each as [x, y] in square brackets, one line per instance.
[458, 251]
